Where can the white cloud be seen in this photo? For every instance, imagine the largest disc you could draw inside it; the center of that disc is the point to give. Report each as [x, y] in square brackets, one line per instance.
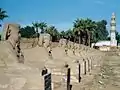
[99, 2]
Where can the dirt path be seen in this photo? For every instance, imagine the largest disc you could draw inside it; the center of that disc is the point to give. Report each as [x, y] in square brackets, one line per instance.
[109, 76]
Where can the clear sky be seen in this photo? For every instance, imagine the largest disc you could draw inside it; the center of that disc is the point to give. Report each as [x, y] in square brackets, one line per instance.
[60, 13]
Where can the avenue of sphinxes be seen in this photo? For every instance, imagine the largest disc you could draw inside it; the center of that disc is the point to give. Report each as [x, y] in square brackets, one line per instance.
[20, 66]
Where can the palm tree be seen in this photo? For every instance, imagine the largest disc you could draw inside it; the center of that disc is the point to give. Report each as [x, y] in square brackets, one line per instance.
[90, 29]
[69, 34]
[82, 27]
[3, 15]
[53, 32]
[79, 29]
[36, 25]
[62, 34]
[42, 26]
[36, 35]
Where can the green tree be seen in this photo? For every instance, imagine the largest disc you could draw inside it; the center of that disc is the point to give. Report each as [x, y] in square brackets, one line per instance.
[101, 30]
[82, 28]
[53, 32]
[3, 15]
[69, 34]
[62, 34]
[42, 26]
[118, 37]
[36, 26]
[27, 32]
[89, 31]
[0, 37]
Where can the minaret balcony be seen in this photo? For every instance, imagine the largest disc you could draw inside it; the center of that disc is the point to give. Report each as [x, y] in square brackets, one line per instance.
[113, 28]
[113, 24]
[113, 21]
[112, 31]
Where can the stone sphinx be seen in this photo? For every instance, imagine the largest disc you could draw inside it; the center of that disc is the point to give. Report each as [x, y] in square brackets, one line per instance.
[45, 40]
[62, 43]
[11, 36]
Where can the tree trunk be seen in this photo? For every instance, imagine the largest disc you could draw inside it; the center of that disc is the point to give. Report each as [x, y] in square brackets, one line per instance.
[36, 29]
[42, 30]
[89, 40]
[74, 39]
[90, 37]
[69, 38]
[79, 37]
[86, 39]
[79, 40]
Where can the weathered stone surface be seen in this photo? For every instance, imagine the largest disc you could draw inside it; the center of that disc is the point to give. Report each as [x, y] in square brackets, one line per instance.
[11, 34]
[45, 40]
[62, 42]
[27, 76]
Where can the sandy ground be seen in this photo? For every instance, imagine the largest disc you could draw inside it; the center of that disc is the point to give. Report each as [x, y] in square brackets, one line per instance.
[109, 76]
[27, 76]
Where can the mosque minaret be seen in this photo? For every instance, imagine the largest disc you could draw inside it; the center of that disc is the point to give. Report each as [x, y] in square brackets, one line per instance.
[113, 41]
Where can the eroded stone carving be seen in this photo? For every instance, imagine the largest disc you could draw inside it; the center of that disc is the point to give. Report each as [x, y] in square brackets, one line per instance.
[45, 41]
[12, 35]
[62, 42]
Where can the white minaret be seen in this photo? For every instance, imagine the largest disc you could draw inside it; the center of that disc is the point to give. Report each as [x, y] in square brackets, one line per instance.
[113, 40]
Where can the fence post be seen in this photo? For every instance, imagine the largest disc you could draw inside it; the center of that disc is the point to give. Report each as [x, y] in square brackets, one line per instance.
[47, 82]
[88, 65]
[68, 79]
[79, 75]
[84, 67]
[70, 87]
[91, 64]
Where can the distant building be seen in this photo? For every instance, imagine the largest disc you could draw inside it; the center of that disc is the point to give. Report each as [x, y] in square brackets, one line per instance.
[105, 45]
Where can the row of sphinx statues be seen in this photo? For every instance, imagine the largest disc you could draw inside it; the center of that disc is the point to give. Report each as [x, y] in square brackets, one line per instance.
[12, 35]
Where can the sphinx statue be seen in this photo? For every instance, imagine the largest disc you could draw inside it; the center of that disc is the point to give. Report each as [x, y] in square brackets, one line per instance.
[11, 36]
[62, 43]
[45, 40]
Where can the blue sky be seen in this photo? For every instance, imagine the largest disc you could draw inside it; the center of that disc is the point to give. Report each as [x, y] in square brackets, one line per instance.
[60, 13]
